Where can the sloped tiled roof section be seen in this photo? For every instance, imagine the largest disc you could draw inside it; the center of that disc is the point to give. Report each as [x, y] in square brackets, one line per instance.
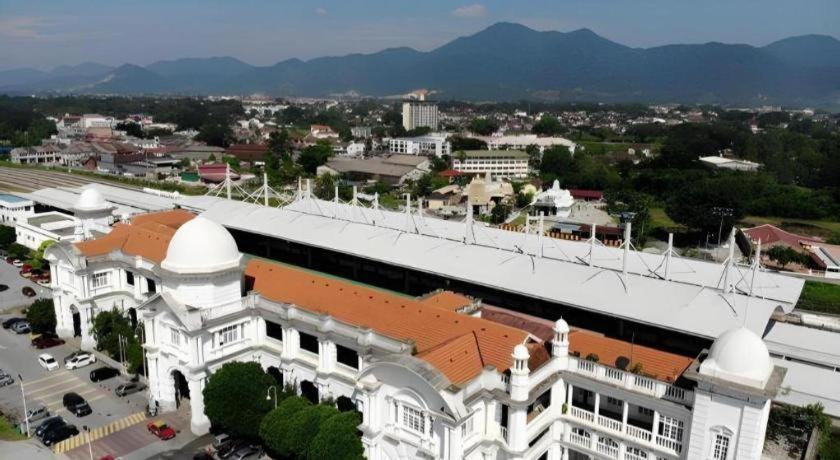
[146, 236]
[657, 364]
[446, 300]
[459, 346]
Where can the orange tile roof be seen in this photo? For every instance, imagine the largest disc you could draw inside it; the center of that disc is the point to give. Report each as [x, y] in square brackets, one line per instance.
[657, 364]
[458, 345]
[147, 236]
[446, 300]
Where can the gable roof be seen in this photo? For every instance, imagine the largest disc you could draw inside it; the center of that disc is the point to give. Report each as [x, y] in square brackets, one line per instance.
[457, 345]
[770, 234]
[146, 236]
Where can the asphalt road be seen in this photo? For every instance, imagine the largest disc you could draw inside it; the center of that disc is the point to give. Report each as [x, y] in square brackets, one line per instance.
[12, 298]
[47, 388]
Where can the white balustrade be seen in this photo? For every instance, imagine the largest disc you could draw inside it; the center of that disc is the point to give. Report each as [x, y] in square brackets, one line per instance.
[629, 456]
[580, 440]
[669, 443]
[633, 382]
[639, 433]
[616, 375]
[607, 449]
[581, 414]
[610, 424]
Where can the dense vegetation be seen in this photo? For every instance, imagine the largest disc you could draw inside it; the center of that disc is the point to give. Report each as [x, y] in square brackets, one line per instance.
[112, 327]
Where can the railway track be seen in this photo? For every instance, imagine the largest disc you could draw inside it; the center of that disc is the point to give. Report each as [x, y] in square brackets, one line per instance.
[28, 180]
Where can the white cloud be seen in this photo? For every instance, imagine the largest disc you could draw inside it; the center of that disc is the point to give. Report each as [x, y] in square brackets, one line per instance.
[475, 10]
[321, 11]
[21, 28]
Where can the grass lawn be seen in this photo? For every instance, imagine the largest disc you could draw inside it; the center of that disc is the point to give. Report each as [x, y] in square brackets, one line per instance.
[659, 219]
[8, 432]
[820, 228]
[822, 297]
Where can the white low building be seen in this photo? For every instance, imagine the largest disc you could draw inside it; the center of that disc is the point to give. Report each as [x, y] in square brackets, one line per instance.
[430, 379]
[14, 208]
[734, 164]
[91, 218]
[431, 144]
[554, 201]
[523, 141]
[511, 164]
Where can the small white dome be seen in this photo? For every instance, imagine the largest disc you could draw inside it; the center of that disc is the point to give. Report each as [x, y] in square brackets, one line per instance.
[91, 200]
[201, 246]
[740, 356]
[561, 326]
[521, 352]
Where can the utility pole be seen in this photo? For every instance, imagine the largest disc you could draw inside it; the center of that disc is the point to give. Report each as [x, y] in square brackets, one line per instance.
[722, 212]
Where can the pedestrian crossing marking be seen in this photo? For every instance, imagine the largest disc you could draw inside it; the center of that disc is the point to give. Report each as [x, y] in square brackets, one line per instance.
[99, 432]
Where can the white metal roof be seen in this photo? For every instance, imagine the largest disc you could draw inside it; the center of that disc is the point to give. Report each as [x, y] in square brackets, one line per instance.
[690, 302]
[805, 384]
[127, 201]
[807, 343]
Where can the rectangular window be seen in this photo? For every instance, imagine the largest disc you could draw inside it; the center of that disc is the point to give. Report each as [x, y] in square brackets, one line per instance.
[347, 356]
[721, 447]
[309, 342]
[99, 280]
[228, 334]
[413, 419]
[671, 428]
[152, 286]
[645, 411]
[614, 401]
[129, 278]
[174, 336]
[467, 427]
[274, 330]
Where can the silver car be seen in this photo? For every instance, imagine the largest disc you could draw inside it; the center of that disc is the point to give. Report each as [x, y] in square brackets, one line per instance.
[5, 379]
[37, 413]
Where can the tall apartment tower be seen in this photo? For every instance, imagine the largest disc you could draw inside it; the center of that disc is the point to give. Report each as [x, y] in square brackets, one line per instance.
[420, 113]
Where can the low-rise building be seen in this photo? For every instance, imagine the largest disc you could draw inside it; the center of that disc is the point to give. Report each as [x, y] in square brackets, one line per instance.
[360, 132]
[555, 202]
[390, 169]
[14, 208]
[431, 144]
[499, 163]
[322, 132]
[523, 141]
[36, 229]
[734, 164]
[48, 154]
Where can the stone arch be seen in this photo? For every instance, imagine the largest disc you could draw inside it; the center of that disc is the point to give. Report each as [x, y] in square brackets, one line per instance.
[77, 320]
[182, 388]
[277, 375]
[345, 404]
[309, 391]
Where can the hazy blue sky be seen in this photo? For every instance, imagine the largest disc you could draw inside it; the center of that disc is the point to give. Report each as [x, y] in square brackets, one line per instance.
[46, 33]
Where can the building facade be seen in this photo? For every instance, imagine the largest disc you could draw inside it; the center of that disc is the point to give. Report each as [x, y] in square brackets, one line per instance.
[14, 208]
[433, 377]
[499, 163]
[419, 114]
[433, 144]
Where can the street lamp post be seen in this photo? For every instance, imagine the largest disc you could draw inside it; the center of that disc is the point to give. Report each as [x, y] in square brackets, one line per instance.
[722, 212]
[23, 396]
[268, 394]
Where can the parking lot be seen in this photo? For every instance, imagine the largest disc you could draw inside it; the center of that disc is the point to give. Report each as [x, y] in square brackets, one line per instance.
[13, 298]
[111, 415]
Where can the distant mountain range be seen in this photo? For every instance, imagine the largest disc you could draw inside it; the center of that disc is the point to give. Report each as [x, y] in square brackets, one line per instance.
[502, 62]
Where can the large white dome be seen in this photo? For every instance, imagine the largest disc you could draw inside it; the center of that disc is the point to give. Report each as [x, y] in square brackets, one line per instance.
[201, 246]
[91, 200]
[740, 356]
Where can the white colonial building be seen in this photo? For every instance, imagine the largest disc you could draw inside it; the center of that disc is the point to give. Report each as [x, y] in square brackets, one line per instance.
[498, 163]
[433, 377]
[431, 144]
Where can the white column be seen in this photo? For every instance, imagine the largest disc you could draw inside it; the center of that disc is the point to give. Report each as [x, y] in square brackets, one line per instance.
[199, 423]
[655, 428]
[88, 342]
[597, 402]
[624, 412]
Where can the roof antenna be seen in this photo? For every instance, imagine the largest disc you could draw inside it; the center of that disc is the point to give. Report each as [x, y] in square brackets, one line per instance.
[668, 255]
[755, 266]
[729, 261]
[227, 179]
[626, 245]
[540, 235]
[409, 221]
[335, 203]
[265, 189]
[592, 240]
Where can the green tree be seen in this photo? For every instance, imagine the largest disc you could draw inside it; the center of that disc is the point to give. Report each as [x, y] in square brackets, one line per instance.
[277, 424]
[235, 398]
[557, 163]
[499, 213]
[36, 258]
[784, 255]
[338, 439]
[216, 134]
[18, 251]
[41, 315]
[315, 155]
[304, 423]
[548, 126]
[325, 186]
[7, 237]
[108, 327]
[483, 126]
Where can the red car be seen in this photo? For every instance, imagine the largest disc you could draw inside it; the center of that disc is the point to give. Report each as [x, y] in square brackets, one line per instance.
[46, 341]
[160, 429]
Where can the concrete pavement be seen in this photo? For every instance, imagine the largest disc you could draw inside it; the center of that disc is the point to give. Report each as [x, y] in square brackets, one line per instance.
[13, 298]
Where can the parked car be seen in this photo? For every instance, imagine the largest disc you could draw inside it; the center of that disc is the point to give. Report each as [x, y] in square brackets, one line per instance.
[160, 429]
[81, 360]
[46, 341]
[220, 440]
[3, 287]
[6, 379]
[37, 413]
[248, 451]
[129, 388]
[47, 361]
[22, 327]
[48, 424]
[103, 373]
[28, 291]
[59, 433]
[17, 263]
[73, 355]
[7, 324]
[76, 404]
[230, 448]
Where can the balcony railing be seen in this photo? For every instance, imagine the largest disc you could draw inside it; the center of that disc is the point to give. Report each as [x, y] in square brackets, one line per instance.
[630, 381]
[629, 456]
[580, 440]
[607, 449]
[613, 426]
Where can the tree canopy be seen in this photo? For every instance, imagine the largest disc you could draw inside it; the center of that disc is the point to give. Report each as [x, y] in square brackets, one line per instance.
[41, 316]
[235, 398]
[337, 439]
